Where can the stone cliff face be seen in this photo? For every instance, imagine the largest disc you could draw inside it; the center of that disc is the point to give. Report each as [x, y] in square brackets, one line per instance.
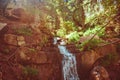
[27, 51]
[95, 64]
[26, 54]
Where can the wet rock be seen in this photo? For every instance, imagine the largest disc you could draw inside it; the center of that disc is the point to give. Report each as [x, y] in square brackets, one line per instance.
[10, 39]
[99, 73]
[73, 49]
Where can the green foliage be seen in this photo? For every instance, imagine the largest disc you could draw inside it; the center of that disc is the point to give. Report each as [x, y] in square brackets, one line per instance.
[61, 32]
[94, 30]
[68, 30]
[66, 16]
[24, 31]
[50, 22]
[69, 26]
[30, 71]
[100, 12]
[73, 12]
[88, 45]
[73, 36]
[88, 34]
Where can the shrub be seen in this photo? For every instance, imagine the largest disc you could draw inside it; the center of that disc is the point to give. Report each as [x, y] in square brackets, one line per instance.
[73, 36]
[94, 30]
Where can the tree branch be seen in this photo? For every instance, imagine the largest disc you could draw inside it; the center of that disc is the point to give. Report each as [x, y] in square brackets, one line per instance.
[103, 27]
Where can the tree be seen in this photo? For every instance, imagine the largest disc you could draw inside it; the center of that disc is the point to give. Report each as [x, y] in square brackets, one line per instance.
[83, 14]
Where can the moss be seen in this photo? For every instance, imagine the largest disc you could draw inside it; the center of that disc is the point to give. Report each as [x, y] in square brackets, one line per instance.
[109, 59]
[30, 71]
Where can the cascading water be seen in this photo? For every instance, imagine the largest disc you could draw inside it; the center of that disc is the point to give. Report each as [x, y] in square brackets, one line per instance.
[69, 63]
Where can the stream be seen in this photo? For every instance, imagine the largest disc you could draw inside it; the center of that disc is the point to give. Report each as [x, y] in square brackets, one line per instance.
[68, 63]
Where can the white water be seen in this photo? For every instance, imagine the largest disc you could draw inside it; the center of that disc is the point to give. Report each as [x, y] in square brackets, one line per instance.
[68, 63]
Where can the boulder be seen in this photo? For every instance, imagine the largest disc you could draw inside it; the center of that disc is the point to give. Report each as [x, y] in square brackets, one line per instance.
[15, 40]
[22, 54]
[10, 39]
[88, 58]
[99, 73]
[21, 40]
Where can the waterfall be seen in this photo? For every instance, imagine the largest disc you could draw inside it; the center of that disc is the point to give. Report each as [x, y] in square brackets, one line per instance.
[68, 63]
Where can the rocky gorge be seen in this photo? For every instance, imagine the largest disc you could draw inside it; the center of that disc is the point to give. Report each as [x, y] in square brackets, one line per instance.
[27, 52]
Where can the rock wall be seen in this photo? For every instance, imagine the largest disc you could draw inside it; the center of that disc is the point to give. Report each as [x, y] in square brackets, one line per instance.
[98, 59]
[26, 56]
[28, 53]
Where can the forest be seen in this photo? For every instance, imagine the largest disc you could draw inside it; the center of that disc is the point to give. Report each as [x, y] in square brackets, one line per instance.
[59, 39]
